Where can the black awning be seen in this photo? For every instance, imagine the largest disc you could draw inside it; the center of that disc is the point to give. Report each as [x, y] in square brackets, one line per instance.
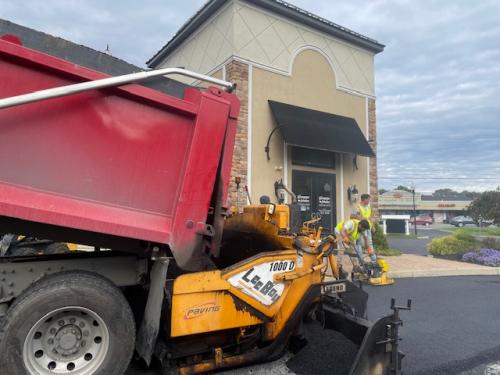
[319, 130]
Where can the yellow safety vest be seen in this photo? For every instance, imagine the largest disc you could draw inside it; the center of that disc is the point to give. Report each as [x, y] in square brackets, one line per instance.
[366, 213]
[353, 233]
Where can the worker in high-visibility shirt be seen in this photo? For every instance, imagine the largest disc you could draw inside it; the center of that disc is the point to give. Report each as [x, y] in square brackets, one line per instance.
[350, 231]
[364, 212]
[365, 209]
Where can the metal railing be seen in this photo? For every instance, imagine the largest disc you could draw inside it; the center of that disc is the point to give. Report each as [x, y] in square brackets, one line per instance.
[108, 82]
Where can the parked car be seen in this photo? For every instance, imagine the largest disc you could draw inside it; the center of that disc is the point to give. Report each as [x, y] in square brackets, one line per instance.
[423, 219]
[484, 222]
[460, 221]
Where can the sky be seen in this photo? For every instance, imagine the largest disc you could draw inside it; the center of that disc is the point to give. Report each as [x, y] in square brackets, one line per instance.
[437, 82]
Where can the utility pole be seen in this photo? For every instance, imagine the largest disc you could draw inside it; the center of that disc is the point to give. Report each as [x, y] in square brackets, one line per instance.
[414, 209]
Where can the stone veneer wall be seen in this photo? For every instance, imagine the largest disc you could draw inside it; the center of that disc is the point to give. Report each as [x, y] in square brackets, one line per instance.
[372, 140]
[237, 72]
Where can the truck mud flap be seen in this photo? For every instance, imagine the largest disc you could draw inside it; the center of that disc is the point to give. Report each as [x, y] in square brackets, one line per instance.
[378, 340]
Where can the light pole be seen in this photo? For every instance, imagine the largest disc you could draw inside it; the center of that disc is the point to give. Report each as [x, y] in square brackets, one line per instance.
[414, 209]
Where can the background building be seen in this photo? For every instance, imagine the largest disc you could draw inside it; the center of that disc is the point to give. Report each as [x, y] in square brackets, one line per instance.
[307, 95]
[440, 208]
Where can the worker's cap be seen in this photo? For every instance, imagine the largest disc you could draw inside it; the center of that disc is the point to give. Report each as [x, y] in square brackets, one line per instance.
[264, 199]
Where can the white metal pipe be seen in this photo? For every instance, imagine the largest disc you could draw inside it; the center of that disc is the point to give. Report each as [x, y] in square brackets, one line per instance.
[107, 82]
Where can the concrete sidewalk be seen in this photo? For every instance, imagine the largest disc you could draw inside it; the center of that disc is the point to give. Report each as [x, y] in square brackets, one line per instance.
[409, 265]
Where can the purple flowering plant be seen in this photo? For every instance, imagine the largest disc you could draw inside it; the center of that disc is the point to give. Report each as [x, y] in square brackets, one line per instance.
[487, 257]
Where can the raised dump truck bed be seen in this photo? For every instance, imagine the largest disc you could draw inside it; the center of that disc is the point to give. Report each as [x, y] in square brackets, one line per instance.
[122, 161]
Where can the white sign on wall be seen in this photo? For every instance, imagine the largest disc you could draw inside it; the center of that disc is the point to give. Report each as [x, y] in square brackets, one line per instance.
[304, 201]
[324, 201]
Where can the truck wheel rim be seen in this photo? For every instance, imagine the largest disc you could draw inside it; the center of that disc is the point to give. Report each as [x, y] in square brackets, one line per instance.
[69, 340]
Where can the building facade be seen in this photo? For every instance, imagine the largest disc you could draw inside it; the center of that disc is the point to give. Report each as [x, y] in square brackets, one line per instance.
[306, 86]
[400, 202]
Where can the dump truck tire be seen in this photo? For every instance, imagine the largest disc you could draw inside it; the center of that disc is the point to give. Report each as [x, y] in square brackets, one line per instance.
[69, 322]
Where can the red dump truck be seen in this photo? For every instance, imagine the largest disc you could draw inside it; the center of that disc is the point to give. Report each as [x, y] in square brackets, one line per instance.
[142, 178]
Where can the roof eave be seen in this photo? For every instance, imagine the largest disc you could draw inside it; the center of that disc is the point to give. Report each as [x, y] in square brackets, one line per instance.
[274, 6]
[306, 19]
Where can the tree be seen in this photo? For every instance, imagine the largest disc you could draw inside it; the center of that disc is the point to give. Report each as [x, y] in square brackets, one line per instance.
[486, 206]
[470, 194]
[382, 191]
[444, 193]
[452, 194]
[405, 188]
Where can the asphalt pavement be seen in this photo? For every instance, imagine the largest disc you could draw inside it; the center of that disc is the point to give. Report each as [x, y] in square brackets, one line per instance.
[416, 246]
[454, 325]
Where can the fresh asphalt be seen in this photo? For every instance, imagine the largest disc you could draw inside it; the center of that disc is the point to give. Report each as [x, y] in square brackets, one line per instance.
[454, 325]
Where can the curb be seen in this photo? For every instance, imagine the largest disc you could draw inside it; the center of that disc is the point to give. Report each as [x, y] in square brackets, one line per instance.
[438, 272]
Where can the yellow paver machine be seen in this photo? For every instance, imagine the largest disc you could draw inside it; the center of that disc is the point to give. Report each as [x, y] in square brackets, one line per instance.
[267, 287]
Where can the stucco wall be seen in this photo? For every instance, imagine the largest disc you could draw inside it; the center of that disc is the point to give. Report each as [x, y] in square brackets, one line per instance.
[207, 48]
[312, 84]
[271, 41]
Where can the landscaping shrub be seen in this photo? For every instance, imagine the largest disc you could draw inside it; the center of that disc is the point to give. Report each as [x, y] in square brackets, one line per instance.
[456, 244]
[486, 257]
[491, 243]
[379, 238]
[381, 244]
[465, 236]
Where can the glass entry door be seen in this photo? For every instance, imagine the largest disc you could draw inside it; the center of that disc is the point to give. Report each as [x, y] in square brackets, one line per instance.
[316, 195]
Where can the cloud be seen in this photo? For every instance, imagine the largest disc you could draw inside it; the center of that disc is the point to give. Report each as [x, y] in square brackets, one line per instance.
[438, 83]
[133, 30]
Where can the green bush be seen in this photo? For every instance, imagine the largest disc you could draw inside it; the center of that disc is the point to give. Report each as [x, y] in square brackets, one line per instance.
[491, 243]
[467, 240]
[465, 236]
[456, 244]
[379, 239]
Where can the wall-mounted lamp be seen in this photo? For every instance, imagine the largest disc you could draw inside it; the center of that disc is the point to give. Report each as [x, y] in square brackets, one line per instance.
[352, 193]
[281, 191]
